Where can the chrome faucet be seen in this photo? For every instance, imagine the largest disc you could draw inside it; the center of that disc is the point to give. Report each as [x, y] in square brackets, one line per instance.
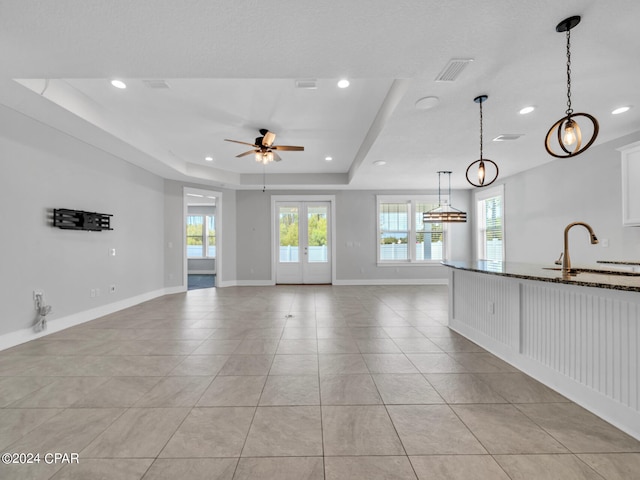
[566, 261]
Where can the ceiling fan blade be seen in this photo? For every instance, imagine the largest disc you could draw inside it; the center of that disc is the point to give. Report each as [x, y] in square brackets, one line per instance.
[276, 157]
[290, 148]
[268, 139]
[243, 143]
[247, 153]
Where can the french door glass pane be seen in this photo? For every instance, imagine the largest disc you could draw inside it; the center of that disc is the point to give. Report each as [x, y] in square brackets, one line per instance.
[317, 234]
[289, 241]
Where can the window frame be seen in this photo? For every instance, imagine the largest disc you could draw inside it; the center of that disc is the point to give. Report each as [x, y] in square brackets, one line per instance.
[412, 201]
[205, 235]
[480, 225]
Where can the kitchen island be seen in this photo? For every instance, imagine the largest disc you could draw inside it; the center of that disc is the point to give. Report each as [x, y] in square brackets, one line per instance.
[578, 334]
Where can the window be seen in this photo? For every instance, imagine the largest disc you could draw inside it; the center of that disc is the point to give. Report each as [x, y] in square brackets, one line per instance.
[490, 224]
[402, 237]
[201, 236]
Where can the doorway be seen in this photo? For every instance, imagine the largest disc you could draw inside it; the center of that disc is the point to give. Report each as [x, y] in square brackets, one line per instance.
[303, 241]
[202, 212]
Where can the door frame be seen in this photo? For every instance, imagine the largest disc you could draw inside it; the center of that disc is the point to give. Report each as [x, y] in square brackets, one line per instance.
[274, 234]
[219, 234]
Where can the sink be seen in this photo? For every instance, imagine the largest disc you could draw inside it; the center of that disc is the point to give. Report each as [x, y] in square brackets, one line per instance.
[575, 271]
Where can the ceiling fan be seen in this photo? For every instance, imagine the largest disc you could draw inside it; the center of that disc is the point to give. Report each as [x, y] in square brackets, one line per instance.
[264, 147]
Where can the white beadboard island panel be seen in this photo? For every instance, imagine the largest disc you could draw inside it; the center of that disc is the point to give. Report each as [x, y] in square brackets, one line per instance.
[582, 341]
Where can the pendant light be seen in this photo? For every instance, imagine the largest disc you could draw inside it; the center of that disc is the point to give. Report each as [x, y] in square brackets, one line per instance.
[444, 213]
[568, 133]
[482, 162]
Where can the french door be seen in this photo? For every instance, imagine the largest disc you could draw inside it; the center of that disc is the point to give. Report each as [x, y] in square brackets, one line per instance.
[303, 240]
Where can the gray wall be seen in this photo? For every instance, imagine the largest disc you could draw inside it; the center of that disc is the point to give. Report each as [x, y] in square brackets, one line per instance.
[355, 222]
[44, 169]
[225, 233]
[540, 202]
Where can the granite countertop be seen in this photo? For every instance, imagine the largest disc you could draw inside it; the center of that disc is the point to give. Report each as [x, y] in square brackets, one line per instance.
[587, 276]
[619, 262]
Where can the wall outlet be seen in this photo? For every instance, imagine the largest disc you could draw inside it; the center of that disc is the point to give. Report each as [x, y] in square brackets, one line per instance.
[112, 252]
[92, 293]
[97, 292]
[491, 308]
[36, 293]
[604, 242]
[112, 289]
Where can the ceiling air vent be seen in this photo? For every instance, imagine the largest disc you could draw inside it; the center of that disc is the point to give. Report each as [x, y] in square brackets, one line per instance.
[156, 83]
[307, 84]
[507, 137]
[453, 69]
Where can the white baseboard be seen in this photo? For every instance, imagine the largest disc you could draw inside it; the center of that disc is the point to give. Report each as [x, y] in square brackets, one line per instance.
[398, 281]
[18, 337]
[363, 282]
[172, 290]
[248, 283]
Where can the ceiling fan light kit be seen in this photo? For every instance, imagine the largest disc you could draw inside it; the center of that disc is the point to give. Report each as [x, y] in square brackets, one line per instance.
[264, 148]
[567, 131]
[482, 162]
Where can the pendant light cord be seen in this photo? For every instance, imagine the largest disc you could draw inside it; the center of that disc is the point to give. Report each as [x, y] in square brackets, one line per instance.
[481, 131]
[569, 109]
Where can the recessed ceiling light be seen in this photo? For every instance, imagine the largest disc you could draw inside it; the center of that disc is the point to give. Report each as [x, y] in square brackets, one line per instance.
[379, 163]
[621, 110]
[118, 84]
[209, 159]
[426, 103]
[328, 159]
[344, 83]
[525, 110]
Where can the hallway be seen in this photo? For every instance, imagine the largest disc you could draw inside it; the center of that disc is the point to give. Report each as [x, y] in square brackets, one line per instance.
[291, 383]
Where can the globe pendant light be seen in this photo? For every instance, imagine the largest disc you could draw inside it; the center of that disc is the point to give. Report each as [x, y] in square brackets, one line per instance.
[444, 213]
[482, 162]
[567, 130]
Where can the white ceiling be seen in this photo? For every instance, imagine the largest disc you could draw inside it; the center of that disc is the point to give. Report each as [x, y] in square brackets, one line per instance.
[231, 69]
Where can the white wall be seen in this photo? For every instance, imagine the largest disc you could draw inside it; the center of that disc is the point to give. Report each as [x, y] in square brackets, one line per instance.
[44, 169]
[540, 202]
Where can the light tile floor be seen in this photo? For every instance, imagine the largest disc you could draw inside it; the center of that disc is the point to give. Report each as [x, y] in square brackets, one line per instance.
[292, 383]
